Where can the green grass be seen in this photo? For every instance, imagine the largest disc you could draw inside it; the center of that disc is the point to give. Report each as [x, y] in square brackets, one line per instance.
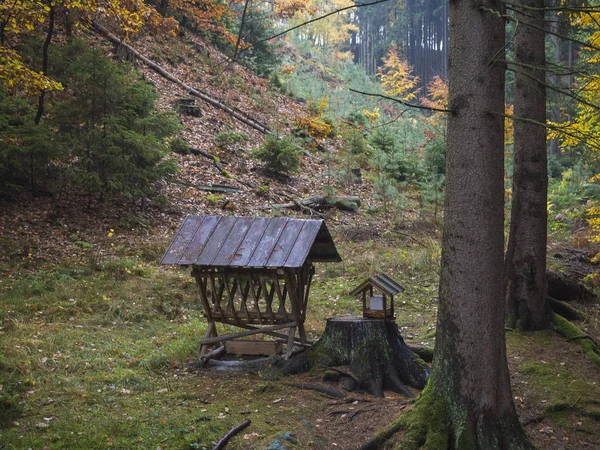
[94, 353]
[94, 350]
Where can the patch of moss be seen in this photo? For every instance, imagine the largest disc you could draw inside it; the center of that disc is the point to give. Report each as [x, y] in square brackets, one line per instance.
[570, 331]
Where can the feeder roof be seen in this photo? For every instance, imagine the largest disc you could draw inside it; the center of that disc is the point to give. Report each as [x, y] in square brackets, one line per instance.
[381, 282]
[229, 241]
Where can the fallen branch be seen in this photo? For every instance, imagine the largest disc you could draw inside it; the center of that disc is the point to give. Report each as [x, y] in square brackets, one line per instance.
[210, 188]
[410, 237]
[213, 354]
[196, 93]
[358, 411]
[235, 430]
[315, 387]
[341, 202]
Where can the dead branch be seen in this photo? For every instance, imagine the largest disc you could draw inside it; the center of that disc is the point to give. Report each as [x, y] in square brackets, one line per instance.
[196, 93]
[209, 188]
[402, 102]
[358, 411]
[235, 430]
[213, 354]
[341, 202]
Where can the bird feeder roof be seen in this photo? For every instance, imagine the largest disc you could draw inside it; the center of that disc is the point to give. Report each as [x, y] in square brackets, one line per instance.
[263, 242]
[381, 282]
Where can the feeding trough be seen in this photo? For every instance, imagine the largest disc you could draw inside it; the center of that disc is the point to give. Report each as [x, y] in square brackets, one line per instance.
[252, 272]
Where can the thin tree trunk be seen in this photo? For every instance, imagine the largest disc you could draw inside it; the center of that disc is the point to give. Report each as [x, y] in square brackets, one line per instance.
[525, 263]
[468, 402]
[41, 98]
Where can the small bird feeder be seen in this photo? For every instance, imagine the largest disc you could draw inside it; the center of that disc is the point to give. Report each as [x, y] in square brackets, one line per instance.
[378, 296]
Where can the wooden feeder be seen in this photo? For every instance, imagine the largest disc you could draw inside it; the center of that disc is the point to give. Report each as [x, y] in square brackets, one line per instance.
[253, 273]
[378, 296]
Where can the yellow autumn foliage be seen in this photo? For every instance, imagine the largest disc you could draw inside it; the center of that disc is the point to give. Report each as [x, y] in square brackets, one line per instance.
[21, 17]
[396, 75]
[372, 116]
[314, 126]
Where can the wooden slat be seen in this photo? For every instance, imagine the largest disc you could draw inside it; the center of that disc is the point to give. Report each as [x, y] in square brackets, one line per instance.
[226, 255]
[269, 333]
[250, 242]
[199, 240]
[181, 241]
[217, 294]
[253, 347]
[216, 241]
[256, 296]
[285, 243]
[201, 282]
[244, 297]
[230, 310]
[228, 337]
[299, 252]
[267, 243]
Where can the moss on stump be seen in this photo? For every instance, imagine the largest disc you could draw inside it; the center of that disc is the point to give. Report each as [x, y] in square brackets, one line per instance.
[372, 349]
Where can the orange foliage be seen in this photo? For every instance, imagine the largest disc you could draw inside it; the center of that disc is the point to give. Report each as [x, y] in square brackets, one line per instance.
[286, 9]
[397, 77]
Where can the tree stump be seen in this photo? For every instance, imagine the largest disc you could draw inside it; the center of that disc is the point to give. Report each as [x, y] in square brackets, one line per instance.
[374, 351]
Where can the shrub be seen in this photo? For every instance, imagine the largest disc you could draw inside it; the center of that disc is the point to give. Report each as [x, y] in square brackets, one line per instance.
[314, 126]
[278, 154]
[180, 146]
[225, 139]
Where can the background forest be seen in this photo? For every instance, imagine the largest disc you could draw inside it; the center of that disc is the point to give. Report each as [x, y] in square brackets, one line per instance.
[119, 118]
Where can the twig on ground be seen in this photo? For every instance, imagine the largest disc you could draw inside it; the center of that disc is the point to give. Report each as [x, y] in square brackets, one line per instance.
[235, 430]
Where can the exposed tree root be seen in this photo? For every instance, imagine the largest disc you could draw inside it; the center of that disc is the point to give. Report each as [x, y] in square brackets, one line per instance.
[588, 346]
[372, 349]
[315, 387]
[431, 425]
[564, 309]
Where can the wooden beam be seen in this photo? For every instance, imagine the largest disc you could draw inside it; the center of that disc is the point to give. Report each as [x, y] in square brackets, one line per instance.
[227, 337]
[270, 333]
[290, 343]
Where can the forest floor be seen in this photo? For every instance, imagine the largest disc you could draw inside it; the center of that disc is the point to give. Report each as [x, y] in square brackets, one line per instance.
[97, 336]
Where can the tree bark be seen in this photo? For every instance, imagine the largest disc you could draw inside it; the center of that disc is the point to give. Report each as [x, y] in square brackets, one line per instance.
[48, 40]
[375, 353]
[525, 263]
[468, 402]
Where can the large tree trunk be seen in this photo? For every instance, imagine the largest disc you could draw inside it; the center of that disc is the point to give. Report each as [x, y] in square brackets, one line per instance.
[525, 263]
[468, 403]
[372, 349]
